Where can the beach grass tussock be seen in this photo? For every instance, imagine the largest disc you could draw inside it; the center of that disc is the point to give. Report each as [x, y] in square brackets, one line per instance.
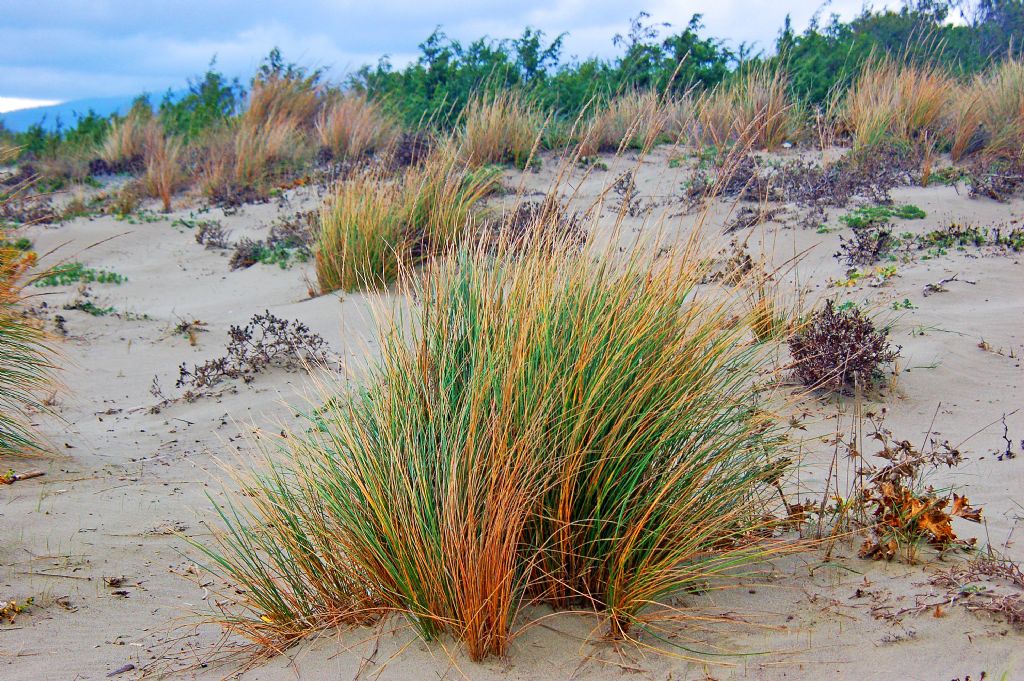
[1000, 109]
[752, 109]
[551, 426]
[634, 120]
[164, 172]
[373, 224]
[27, 364]
[269, 139]
[125, 145]
[894, 101]
[350, 126]
[501, 128]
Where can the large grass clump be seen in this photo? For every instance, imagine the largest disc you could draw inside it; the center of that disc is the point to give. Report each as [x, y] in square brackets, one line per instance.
[635, 120]
[373, 224]
[753, 108]
[26, 357]
[268, 140]
[164, 173]
[352, 125]
[894, 101]
[547, 428]
[501, 128]
[990, 113]
[125, 144]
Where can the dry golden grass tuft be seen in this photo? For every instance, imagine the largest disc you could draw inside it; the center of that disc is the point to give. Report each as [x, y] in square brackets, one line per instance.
[126, 141]
[633, 120]
[753, 108]
[890, 100]
[501, 128]
[1000, 108]
[351, 126]
[270, 138]
[283, 100]
[27, 355]
[164, 172]
[361, 241]
[963, 121]
[373, 224]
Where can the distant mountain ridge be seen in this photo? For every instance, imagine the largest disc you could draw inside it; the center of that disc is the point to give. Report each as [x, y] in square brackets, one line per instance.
[66, 113]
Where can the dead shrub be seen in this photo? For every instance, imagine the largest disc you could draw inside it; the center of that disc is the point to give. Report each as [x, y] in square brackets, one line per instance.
[837, 349]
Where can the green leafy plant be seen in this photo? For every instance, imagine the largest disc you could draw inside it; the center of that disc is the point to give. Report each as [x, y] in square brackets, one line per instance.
[20, 244]
[77, 273]
[91, 308]
[872, 216]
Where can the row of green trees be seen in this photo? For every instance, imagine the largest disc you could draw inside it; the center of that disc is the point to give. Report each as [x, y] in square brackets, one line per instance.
[436, 87]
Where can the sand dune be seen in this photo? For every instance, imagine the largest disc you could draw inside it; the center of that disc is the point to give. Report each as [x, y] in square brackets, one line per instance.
[95, 542]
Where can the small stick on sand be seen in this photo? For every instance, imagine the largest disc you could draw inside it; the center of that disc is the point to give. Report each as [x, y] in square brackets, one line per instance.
[16, 477]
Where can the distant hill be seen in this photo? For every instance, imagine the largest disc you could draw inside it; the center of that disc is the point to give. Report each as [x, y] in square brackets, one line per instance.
[67, 113]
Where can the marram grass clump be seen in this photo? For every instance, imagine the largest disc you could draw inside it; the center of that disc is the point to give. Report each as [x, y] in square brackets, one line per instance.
[373, 224]
[549, 427]
[26, 356]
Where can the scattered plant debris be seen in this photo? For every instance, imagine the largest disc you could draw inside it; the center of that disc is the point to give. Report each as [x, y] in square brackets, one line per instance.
[995, 180]
[1007, 453]
[20, 244]
[866, 246]
[411, 148]
[940, 286]
[533, 222]
[289, 239]
[10, 477]
[987, 584]
[9, 610]
[905, 513]
[960, 236]
[89, 307]
[27, 209]
[876, 277]
[101, 166]
[731, 265]
[230, 197]
[748, 216]
[295, 231]
[190, 329]
[265, 341]
[212, 234]
[869, 173]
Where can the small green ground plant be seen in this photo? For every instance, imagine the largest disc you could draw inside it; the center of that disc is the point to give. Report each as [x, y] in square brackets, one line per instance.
[873, 216]
[72, 273]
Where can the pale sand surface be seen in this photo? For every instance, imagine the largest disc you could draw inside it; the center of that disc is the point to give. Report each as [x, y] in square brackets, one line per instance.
[126, 479]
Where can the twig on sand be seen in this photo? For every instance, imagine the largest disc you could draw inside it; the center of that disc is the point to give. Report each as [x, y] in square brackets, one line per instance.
[12, 477]
[939, 287]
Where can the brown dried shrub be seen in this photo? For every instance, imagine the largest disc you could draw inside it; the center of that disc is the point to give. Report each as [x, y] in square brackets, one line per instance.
[837, 349]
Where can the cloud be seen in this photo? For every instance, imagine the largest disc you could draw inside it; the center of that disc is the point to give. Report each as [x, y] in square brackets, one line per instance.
[16, 103]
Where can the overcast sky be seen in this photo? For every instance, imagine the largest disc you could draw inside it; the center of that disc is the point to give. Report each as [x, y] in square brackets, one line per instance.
[70, 49]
